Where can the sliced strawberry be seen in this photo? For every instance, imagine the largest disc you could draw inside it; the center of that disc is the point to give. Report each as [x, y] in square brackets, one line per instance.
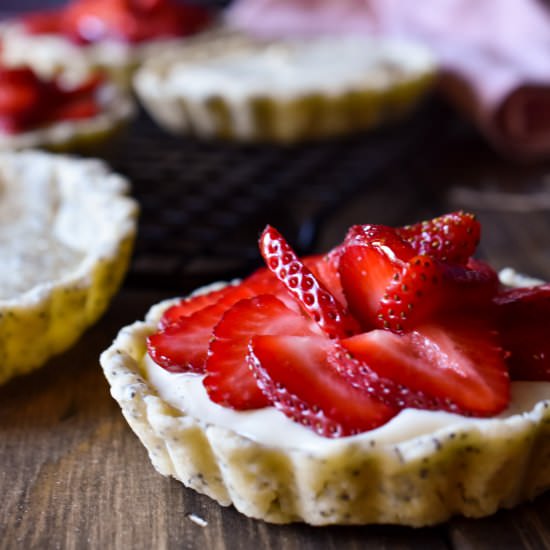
[325, 268]
[451, 238]
[76, 110]
[412, 295]
[460, 360]
[523, 317]
[314, 297]
[387, 286]
[293, 371]
[182, 345]
[373, 257]
[43, 22]
[19, 91]
[229, 381]
[188, 306]
[262, 281]
[363, 376]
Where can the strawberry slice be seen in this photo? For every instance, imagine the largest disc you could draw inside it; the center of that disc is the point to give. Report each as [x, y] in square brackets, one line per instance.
[48, 22]
[181, 344]
[412, 294]
[76, 110]
[325, 269]
[314, 297]
[19, 91]
[388, 287]
[361, 375]
[460, 360]
[373, 257]
[229, 380]
[294, 373]
[450, 238]
[523, 317]
[188, 306]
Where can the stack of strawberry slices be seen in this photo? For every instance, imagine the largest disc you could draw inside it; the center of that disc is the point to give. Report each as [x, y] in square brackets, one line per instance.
[28, 101]
[59, 112]
[392, 318]
[90, 21]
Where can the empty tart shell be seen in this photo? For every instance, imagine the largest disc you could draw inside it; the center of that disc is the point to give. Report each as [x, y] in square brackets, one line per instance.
[67, 230]
[420, 469]
[227, 85]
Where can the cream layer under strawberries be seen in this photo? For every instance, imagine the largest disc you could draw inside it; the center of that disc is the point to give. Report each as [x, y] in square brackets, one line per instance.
[270, 427]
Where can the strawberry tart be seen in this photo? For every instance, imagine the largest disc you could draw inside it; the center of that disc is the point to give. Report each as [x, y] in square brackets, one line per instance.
[57, 113]
[395, 379]
[67, 228]
[227, 85]
[115, 35]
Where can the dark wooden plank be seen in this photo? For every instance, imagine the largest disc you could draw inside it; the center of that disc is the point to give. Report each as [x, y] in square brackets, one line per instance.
[524, 527]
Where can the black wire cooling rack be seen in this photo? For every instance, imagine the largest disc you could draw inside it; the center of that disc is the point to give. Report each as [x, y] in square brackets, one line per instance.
[203, 204]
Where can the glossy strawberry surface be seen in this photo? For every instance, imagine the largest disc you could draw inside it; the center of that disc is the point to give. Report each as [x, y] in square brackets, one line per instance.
[451, 238]
[229, 381]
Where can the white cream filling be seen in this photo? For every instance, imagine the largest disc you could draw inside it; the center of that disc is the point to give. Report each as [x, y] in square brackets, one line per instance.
[328, 65]
[270, 427]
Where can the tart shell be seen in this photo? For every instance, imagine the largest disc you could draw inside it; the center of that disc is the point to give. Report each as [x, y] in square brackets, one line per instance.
[49, 317]
[265, 116]
[462, 469]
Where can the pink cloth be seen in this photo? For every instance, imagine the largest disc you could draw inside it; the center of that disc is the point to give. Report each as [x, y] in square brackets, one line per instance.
[494, 54]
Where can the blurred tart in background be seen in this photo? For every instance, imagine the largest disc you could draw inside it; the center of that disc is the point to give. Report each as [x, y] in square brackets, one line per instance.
[57, 113]
[227, 85]
[67, 228]
[111, 34]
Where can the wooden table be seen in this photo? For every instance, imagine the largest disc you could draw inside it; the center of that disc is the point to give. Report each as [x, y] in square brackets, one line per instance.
[73, 475]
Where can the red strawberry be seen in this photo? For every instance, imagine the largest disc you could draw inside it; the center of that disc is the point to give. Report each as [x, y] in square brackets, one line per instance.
[293, 371]
[325, 268]
[75, 110]
[363, 376]
[523, 317]
[182, 345]
[186, 328]
[262, 281]
[459, 360]
[451, 238]
[373, 257]
[388, 287]
[48, 22]
[412, 295]
[316, 300]
[229, 381]
[188, 306]
[19, 91]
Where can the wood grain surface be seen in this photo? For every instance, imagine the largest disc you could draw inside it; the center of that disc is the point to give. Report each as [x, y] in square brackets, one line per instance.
[73, 475]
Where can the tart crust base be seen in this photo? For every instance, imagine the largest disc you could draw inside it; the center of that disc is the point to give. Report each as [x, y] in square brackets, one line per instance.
[459, 470]
[50, 317]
